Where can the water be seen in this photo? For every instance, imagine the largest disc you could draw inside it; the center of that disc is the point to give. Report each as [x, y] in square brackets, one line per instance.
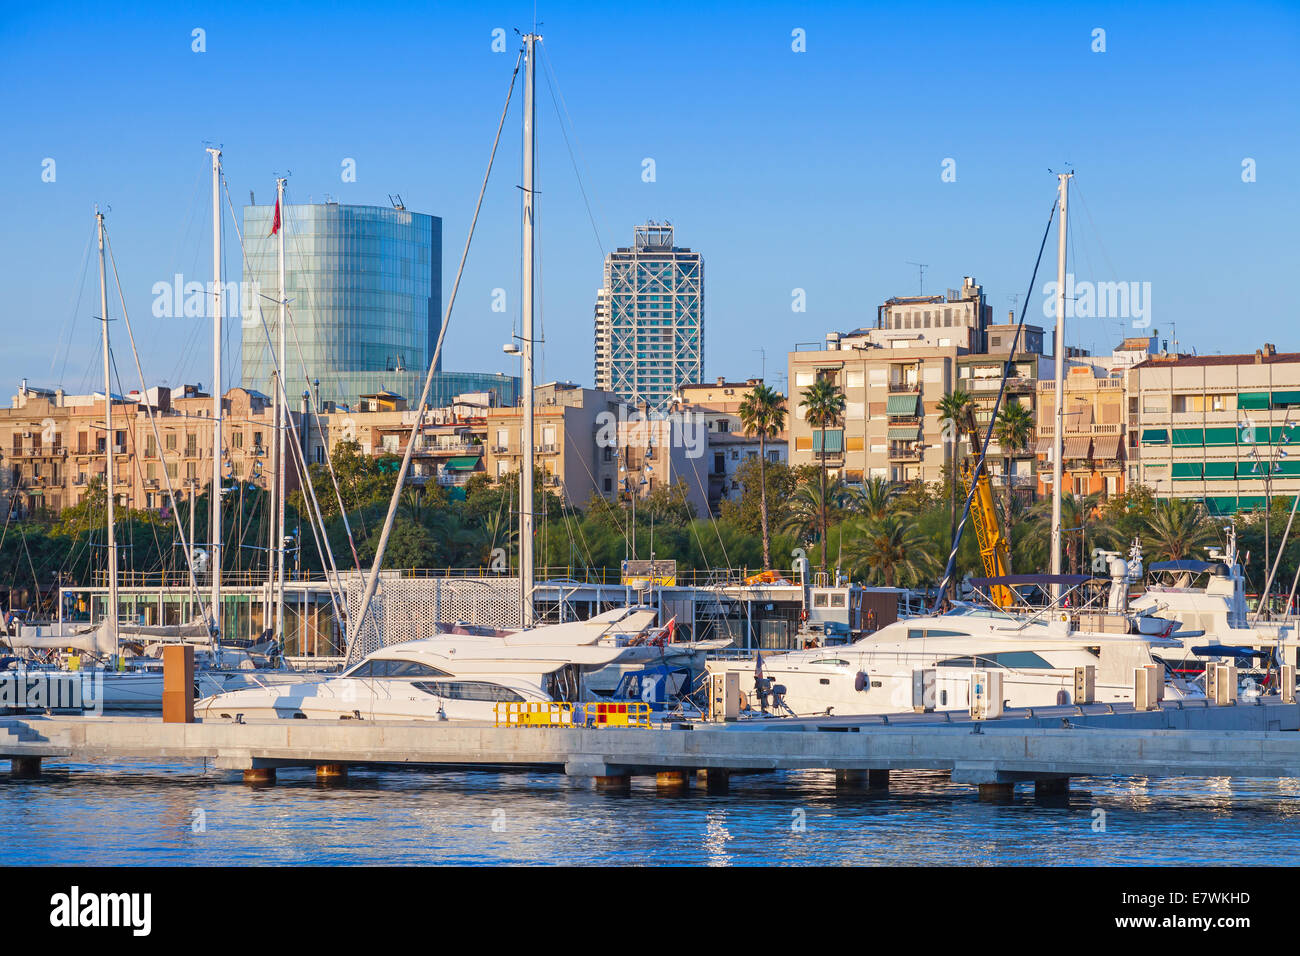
[146, 814]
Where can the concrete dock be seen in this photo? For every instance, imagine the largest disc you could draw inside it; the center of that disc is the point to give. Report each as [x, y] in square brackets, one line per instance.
[1045, 746]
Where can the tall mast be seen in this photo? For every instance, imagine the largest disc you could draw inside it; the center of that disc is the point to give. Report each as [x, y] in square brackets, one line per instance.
[282, 427]
[526, 461]
[214, 497]
[109, 479]
[1058, 432]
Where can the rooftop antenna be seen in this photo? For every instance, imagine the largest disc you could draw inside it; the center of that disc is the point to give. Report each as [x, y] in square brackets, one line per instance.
[396, 201]
[763, 352]
[921, 267]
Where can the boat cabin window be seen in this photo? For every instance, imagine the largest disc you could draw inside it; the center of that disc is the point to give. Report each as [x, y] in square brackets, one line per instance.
[819, 598]
[839, 600]
[1015, 659]
[832, 661]
[394, 668]
[919, 632]
[468, 690]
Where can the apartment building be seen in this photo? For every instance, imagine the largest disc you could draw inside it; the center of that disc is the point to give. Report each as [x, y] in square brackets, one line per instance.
[728, 445]
[1093, 449]
[980, 375]
[891, 426]
[1217, 428]
[52, 443]
[575, 439]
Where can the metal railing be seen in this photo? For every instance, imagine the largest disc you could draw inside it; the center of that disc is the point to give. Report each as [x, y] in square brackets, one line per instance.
[533, 714]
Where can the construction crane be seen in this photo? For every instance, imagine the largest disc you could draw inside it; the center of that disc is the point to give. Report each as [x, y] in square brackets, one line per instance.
[995, 549]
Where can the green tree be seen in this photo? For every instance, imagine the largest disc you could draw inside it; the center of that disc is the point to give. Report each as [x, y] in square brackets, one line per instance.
[1012, 429]
[953, 411]
[823, 404]
[891, 551]
[1176, 529]
[762, 413]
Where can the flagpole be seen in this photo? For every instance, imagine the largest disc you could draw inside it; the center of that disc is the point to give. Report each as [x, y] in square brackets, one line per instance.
[214, 498]
[282, 421]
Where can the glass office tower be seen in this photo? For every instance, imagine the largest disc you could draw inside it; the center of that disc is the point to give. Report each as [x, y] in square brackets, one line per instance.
[364, 285]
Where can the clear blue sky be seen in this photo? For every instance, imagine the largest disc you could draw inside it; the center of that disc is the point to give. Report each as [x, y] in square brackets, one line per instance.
[817, 170]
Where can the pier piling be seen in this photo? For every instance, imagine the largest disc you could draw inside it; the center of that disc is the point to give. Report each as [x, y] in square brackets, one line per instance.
[25, 768]
[618, 782]
[260, 776]
[673, 781]
[331, 773]
[715, 781]
[997, 792]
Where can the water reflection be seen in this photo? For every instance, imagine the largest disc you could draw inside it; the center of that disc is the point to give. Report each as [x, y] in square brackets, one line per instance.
[163, 814]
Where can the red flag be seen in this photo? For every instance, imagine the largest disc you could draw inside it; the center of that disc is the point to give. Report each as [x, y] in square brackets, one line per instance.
[275, 226]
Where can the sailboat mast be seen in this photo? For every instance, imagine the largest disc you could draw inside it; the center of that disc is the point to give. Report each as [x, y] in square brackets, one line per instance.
[1058, 435]
[526, 459]
[282, 426]
[109, 450]
[214, 498]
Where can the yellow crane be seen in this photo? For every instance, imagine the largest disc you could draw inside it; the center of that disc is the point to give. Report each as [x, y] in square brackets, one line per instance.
[995, 549]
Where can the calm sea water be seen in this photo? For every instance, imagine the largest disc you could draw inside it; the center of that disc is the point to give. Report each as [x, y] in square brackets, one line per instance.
[142, 814]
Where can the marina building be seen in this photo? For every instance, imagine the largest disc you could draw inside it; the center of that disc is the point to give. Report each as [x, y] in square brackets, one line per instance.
[649, 319]
[1217, 428]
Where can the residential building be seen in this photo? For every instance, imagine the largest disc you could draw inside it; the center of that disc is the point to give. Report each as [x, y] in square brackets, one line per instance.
[959, 318]
[728, 445]
[891, 426]
[574, 440]
[649, 319]
[52, 445]
[1093, 450]
[1216, 428]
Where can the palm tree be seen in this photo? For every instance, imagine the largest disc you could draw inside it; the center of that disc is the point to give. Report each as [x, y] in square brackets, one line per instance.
[876, 498]
[823, 404]
[891, 551]
[1177, 529]
[953, 409]
[762, 413]
[806, 506]
[1080, 519]
[1012, 429]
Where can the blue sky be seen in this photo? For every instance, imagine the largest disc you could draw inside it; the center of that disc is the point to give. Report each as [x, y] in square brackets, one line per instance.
[817, 170]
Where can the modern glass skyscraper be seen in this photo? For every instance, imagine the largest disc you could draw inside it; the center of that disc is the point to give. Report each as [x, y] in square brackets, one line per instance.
[364, 285]
[650, 318]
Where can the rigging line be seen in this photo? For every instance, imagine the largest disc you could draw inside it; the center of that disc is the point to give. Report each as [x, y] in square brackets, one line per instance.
[393, 503]
[31, 567]
[950, 567]
[294, 445]
[69, 326]
[302, 362]
[153, 425]
[553, 84]
[182, 241]
[134, 455]
[1100, 244]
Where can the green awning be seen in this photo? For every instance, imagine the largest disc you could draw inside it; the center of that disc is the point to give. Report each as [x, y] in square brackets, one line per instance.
[464, 463]
[1257, 400]
[1288, 466]
[1220, 469]
[905, 433]
[1221, 436]
[1186, 469]
[1221, 506]
[1189, 436]
[1155, 436]
[834, 440]
[901, 404]
[1250, 503]
[1283, 399]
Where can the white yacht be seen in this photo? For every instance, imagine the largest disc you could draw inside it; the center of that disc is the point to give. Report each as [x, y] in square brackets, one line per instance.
[1208, 599]
[1035, 655]
[459, 676]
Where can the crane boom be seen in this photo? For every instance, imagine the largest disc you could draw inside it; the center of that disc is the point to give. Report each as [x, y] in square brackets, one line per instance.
[995, 549]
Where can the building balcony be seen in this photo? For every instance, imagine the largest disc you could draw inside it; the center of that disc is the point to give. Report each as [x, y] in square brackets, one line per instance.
[905, 451]
[904, 386]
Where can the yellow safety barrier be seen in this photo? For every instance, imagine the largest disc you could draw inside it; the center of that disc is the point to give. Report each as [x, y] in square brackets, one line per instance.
[534, 714]
[611, 714]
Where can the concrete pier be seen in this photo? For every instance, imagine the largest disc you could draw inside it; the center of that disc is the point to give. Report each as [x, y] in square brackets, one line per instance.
[331, 773]
[715, 781]
[1044, 747]
[25, 768]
